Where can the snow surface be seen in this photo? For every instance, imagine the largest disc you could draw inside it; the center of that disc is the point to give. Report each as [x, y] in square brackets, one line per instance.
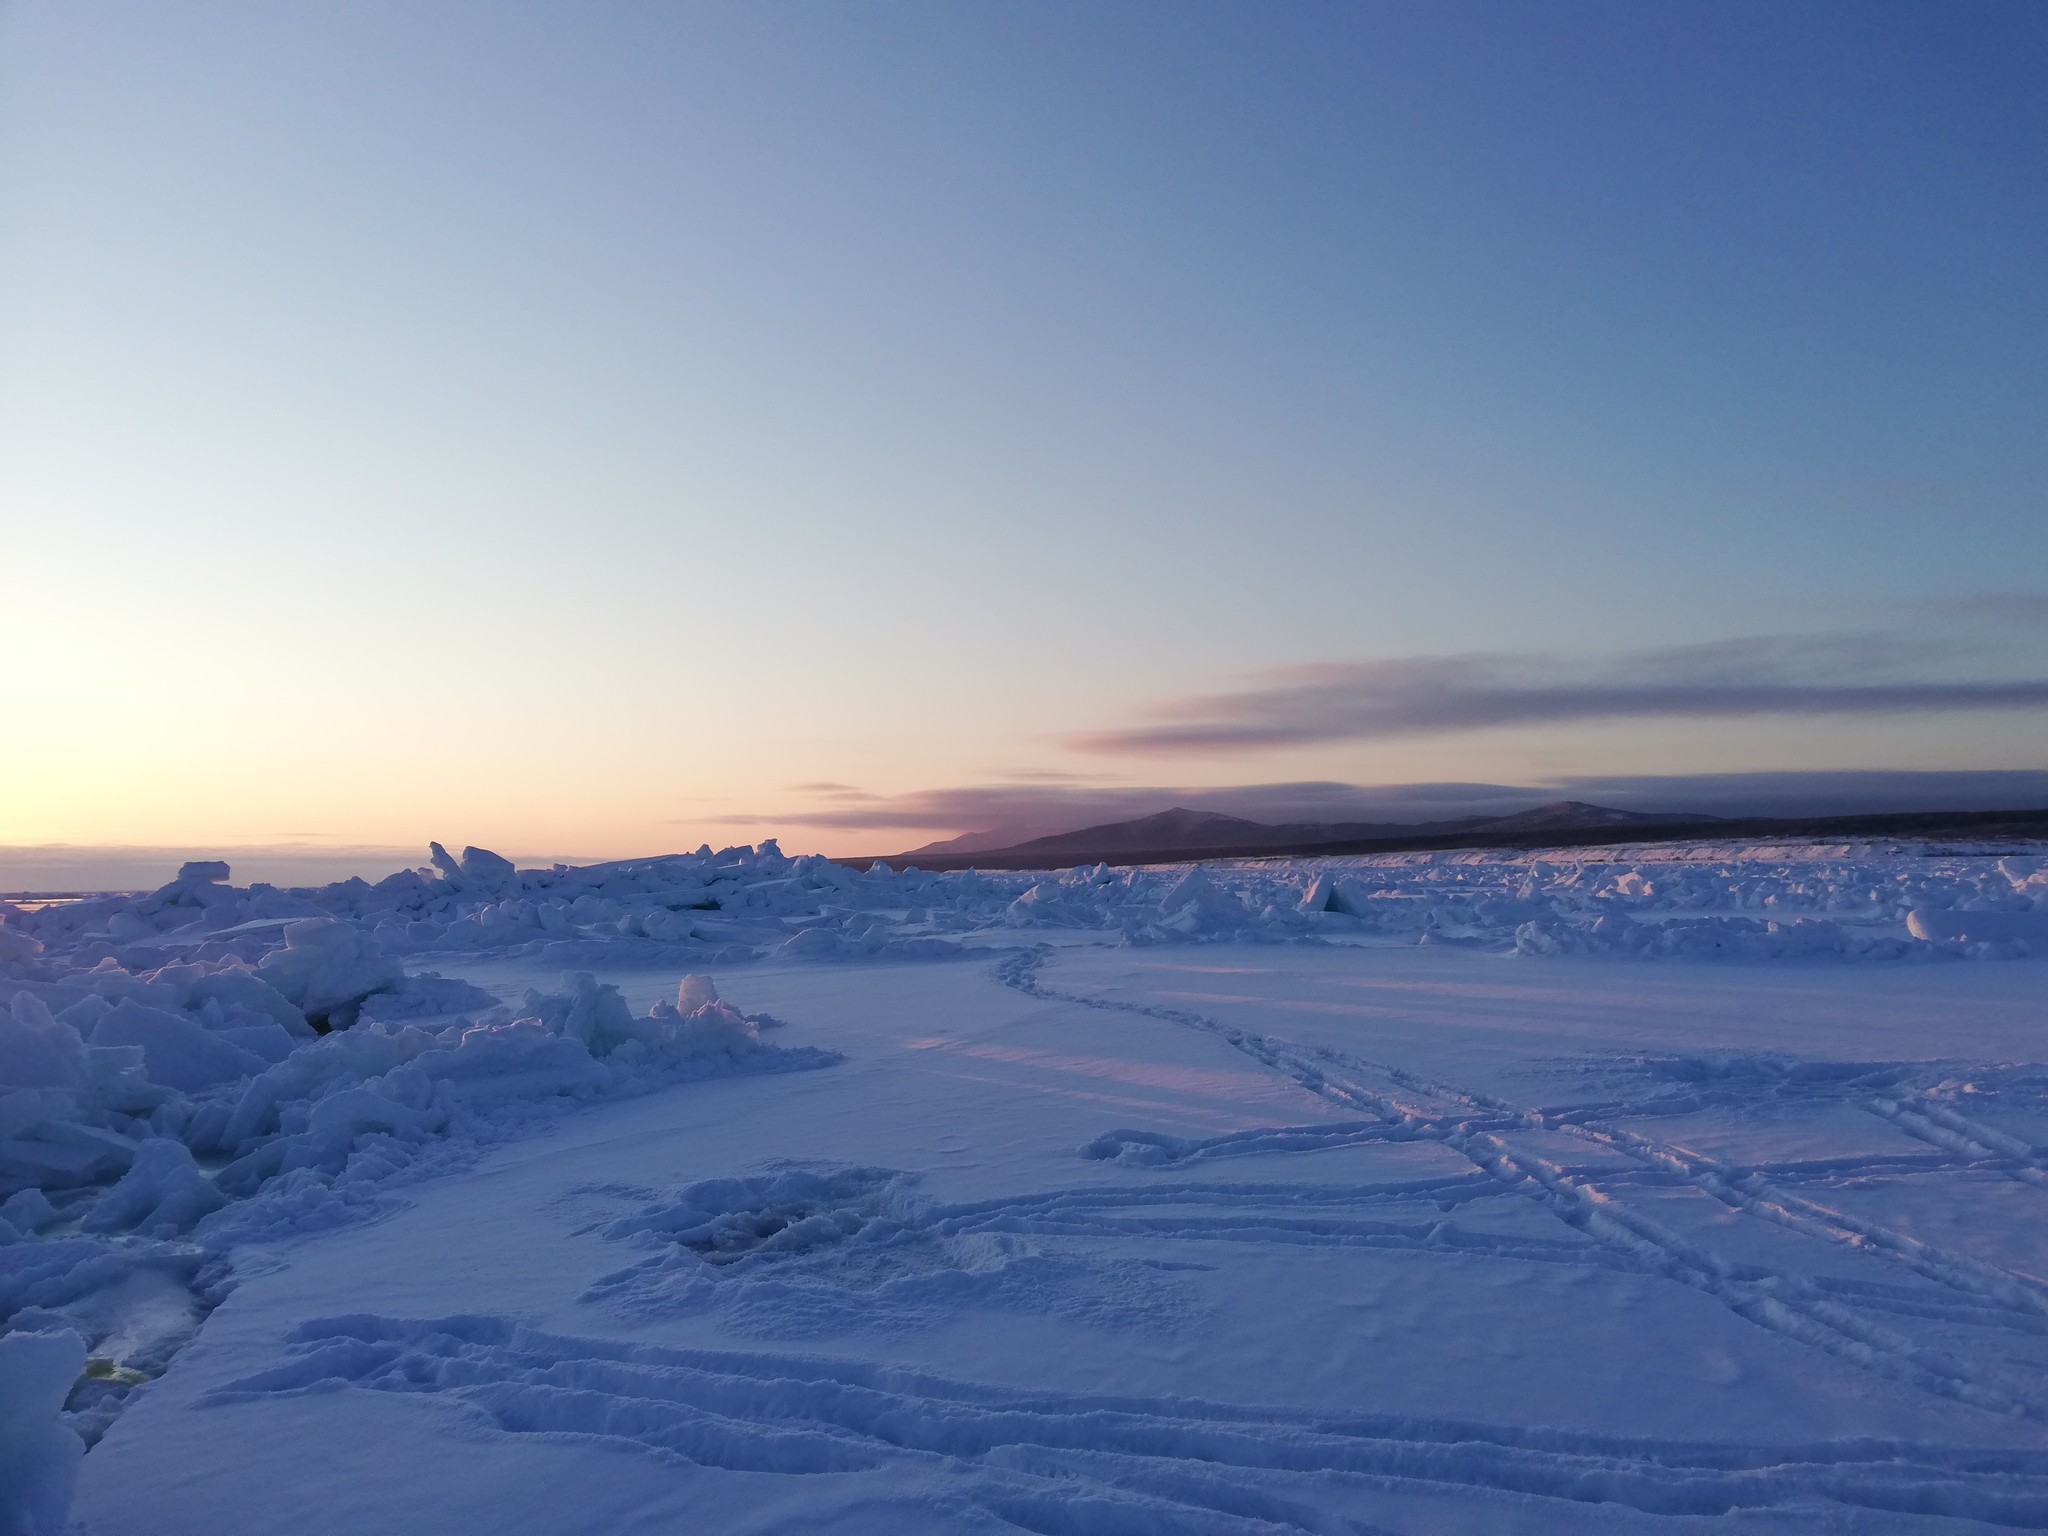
[1431, 1193]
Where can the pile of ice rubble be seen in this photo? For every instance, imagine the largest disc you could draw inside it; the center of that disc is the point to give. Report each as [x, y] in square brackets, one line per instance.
[206, 1065]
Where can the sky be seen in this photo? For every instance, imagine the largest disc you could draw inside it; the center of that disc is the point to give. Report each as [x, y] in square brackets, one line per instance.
[595, 430]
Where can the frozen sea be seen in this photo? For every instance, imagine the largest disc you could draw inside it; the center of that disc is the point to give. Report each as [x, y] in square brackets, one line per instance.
[1425, 1195]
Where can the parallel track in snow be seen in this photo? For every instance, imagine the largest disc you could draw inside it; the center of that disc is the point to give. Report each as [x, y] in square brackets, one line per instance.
[1063, 1463]
[1834, 1317]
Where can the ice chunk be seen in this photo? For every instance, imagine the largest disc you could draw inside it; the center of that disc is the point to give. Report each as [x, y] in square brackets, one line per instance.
[489, 871]
[128, 928]
[1040, 904]
[327, 968]
[39, 1456]
[2028, 928]
[16, 945]
[177, 1050]
[1321, 895]
[246, 992]
[58, 1149]
[28, 1210]
[715, 1029]
[520, 1060]
[120, 1080]
[341, 1117]
[597, 1017]
[694, 992]
[162, 1194]
[202, 872]
[38, 1051]
[812, 944]
[1195, 889]
[1194, 905]
[426, 996]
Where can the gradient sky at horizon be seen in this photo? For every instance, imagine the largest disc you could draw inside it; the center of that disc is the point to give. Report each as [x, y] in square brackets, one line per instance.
[579, 429]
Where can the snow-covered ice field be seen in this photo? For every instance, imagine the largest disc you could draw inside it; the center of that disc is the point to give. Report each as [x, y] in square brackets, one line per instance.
[1454, 1193]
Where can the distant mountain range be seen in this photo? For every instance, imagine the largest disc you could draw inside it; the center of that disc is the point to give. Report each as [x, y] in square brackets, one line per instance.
[1184, 834]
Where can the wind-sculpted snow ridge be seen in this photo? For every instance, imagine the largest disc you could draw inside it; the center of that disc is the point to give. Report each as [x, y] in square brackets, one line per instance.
[987, 1457]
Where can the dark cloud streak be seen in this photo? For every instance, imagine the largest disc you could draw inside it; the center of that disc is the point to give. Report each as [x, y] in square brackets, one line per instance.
[1422, 696]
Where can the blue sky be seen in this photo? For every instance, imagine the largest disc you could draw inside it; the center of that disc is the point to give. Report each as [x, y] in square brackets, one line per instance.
[577, 428]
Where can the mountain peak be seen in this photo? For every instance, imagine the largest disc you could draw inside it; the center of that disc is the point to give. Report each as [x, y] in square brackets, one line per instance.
[1183, 832]
[1567, 815]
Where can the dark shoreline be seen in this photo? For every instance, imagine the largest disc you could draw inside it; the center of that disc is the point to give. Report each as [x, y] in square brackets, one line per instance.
[1911, 825]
